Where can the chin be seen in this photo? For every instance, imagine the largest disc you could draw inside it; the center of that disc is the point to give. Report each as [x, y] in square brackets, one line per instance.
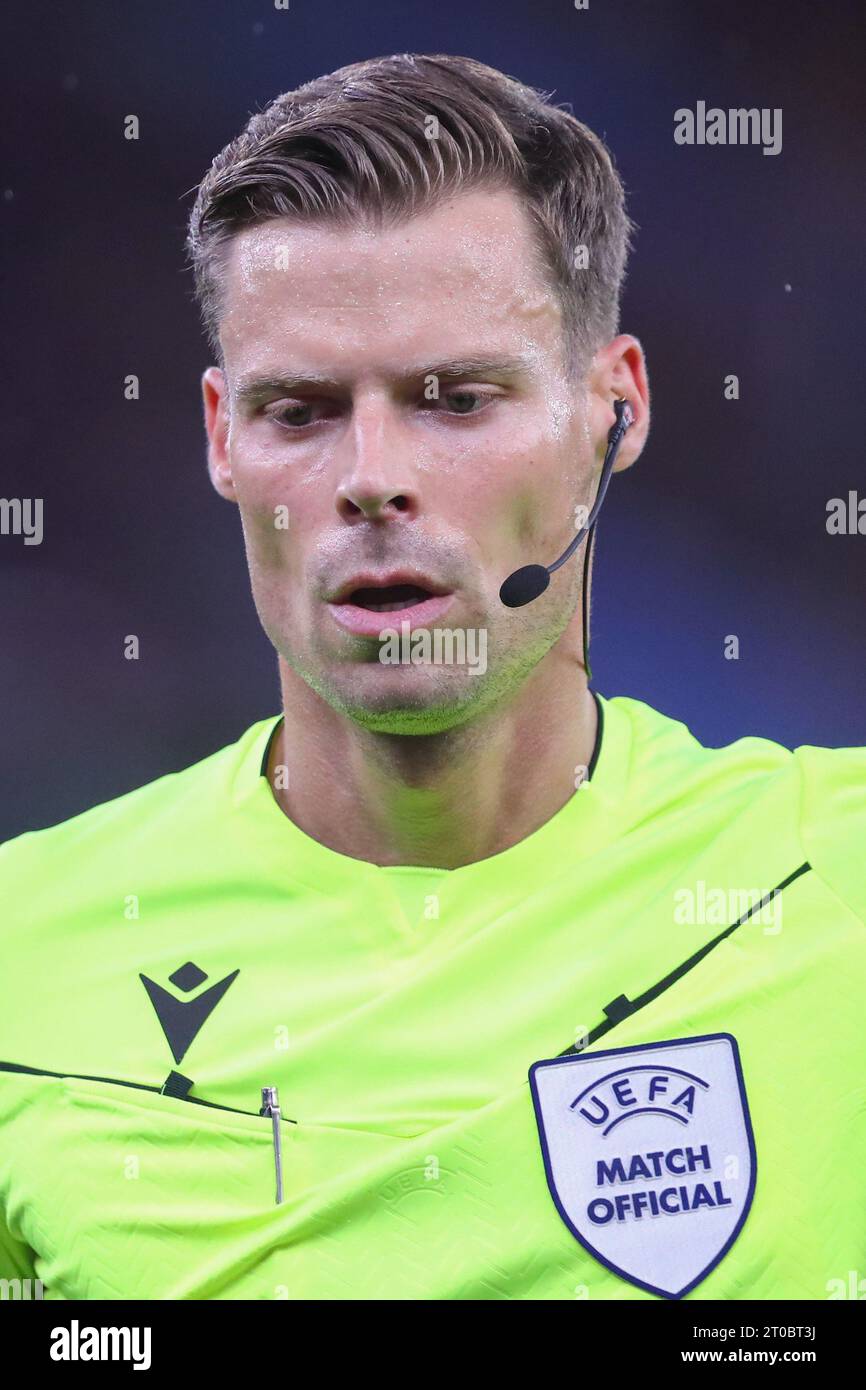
[405, 701]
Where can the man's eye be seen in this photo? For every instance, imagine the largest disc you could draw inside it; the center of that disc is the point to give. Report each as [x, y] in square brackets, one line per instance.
[291, 416]
[463, 401]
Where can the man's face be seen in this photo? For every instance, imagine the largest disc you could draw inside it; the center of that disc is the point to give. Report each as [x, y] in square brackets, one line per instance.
[326, 430]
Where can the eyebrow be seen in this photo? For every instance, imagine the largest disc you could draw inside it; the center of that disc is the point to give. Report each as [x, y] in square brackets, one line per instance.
[253, 387]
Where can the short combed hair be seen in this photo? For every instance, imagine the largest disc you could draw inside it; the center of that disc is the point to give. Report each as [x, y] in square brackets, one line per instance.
[381, 140]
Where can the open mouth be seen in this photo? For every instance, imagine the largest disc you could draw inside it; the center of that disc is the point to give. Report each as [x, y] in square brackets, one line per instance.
[390, 598]
[369, 610]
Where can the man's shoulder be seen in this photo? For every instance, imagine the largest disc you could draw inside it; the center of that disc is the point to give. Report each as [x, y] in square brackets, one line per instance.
[833, 819]
[834, 776]
[819, 793]
[167, 807]
[671, 771]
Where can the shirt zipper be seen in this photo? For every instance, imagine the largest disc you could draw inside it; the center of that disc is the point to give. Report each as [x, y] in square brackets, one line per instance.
[271, 1107]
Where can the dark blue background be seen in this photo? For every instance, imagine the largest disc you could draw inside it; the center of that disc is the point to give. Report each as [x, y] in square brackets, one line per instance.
[719, 529]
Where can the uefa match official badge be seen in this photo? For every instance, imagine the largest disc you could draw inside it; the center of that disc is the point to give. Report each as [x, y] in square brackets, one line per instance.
[649, 1155]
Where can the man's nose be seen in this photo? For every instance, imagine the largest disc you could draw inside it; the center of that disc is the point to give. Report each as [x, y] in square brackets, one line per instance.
[378, 476]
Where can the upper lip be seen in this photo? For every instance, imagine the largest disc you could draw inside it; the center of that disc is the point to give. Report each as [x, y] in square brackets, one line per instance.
[369, 579]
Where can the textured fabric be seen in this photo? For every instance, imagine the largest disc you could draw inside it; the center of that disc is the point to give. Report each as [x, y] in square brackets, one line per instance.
[398, 1011]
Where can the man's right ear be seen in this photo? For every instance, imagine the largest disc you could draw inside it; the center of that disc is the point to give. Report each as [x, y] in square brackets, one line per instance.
[214, 390]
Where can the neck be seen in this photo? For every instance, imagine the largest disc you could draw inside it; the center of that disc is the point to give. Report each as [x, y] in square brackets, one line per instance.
[436, 800]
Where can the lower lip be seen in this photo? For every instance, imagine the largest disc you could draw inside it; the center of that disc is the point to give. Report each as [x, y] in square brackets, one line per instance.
[364, 622]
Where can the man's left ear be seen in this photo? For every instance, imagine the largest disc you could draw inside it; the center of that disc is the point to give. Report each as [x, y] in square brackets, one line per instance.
[619, 370]
[214, 390]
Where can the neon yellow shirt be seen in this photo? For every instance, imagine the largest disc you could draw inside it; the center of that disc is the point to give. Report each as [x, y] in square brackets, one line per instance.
[189, 943]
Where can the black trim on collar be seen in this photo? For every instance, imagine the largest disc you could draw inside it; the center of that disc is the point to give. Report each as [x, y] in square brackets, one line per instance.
[263, 770]
[599, 734]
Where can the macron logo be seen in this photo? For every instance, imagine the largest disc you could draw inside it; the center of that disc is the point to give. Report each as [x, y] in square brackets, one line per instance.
[181, 1019]
[76, 1343]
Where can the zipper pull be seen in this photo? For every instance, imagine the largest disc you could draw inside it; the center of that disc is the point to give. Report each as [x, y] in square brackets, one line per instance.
[271, 1106]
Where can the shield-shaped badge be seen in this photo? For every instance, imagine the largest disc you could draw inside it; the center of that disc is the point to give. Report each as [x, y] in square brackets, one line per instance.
[649, 1154]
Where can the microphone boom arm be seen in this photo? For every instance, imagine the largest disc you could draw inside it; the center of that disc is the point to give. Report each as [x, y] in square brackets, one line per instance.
[528, 583]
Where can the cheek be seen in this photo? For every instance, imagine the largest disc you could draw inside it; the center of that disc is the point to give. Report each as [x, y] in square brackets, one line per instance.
[269, 513]
[534, 496]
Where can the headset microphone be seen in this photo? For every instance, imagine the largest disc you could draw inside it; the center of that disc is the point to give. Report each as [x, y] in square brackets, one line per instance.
[529, 582]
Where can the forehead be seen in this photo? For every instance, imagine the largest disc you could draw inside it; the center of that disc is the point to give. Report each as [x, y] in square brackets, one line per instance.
[468, 273]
